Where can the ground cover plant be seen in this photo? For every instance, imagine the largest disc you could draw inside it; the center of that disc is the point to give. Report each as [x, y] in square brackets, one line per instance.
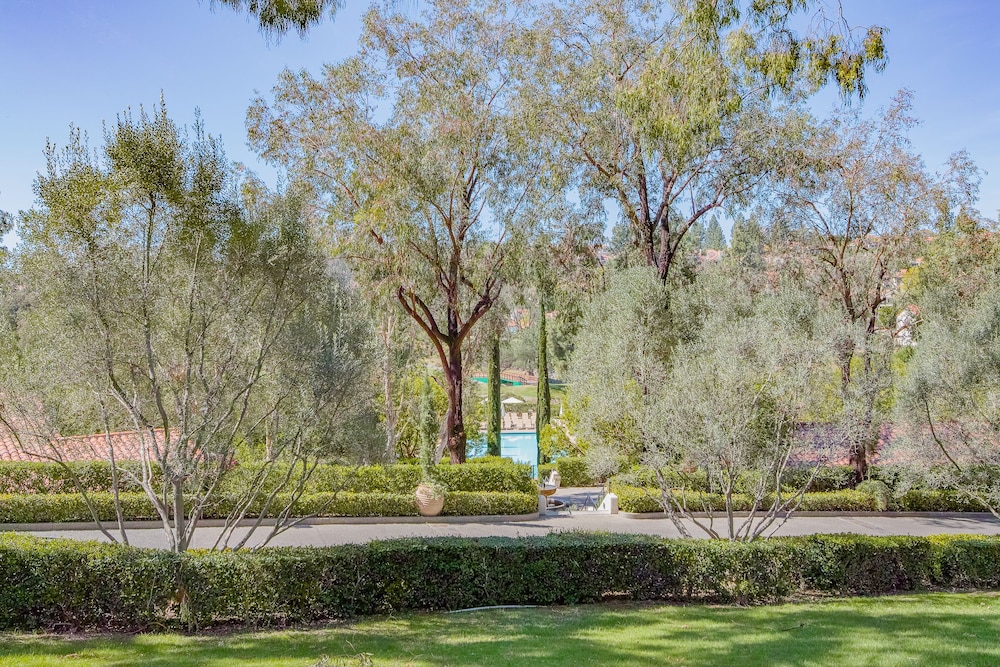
[935, 628]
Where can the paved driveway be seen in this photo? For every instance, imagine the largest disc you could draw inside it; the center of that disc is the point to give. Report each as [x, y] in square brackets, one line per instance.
[329, 534]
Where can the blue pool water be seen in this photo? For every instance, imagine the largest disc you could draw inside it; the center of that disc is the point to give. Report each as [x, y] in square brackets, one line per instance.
[521, 446]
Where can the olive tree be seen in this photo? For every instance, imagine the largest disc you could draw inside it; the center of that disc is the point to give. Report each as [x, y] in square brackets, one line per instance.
[163, 303]
[948, 415]
[731, 407]
[858, 200]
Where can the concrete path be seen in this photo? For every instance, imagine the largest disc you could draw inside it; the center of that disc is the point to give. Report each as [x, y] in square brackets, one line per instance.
[331, 534]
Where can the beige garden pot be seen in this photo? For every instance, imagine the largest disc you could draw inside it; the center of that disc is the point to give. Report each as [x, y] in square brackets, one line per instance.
[430, 501]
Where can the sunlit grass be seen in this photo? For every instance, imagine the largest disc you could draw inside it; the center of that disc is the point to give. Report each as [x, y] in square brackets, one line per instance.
[934, 629]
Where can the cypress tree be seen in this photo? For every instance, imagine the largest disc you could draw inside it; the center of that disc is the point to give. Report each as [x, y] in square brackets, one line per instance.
[494, 423]
[544, 414]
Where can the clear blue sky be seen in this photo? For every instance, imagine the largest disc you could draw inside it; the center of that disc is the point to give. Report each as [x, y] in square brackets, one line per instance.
[83, 61]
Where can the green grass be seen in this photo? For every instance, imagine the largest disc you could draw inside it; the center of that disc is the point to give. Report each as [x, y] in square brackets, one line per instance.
[930, 629]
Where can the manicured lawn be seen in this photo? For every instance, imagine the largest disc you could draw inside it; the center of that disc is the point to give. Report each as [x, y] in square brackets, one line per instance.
[934, 629]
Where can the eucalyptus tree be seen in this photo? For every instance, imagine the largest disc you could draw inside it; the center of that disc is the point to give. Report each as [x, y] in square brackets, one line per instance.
[858, 201]
[277, 17]
[669, 109]
[417, 151]
[161, 302]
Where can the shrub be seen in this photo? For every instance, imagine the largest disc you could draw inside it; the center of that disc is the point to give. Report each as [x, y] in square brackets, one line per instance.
[646, 499]
[70, 507]
[68, 584]
[49, 477]
[926, 500]
[878, 490]
[825, 478]
[572, 470]
[864, 565]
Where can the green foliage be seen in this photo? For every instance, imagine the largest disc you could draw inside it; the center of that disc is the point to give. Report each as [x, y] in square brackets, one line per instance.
[572, 471]
[544, 396]
[553, 442]
[485, 474]
[878, 490]
[86, 585]
[715, 238]
[494, 412]
[496, 486]
[60, 508]
[277, 17]
[823, 478]
[650, 499]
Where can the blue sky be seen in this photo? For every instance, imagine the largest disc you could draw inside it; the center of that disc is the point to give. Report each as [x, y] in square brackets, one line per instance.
[82, 62]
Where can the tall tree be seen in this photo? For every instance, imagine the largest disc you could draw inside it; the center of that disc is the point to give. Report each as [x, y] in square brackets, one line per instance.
[715, 238]
[668, 109]
[416, 148]
[855, 202]
[277, 17]
[495, 424]
[544, 395]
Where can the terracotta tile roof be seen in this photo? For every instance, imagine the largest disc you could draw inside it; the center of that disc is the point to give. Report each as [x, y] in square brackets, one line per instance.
[127, 445]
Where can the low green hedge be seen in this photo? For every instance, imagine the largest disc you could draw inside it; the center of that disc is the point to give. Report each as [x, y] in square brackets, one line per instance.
[67, 584]
[572, 471]
[46, 477]
[495, 475]
[69, 507]
[867, 499]
[646, 499]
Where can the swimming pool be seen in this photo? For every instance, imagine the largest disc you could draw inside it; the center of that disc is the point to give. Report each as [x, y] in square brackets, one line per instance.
[521, 446]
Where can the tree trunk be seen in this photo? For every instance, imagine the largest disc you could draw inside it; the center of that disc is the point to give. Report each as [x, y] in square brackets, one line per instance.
[454, 420]
[493, 389]
[544, 414]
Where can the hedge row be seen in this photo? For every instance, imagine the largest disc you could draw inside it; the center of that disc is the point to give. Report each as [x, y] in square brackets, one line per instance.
[572, 471]
[68, 584]
[495, 474]
[647, 499]
[42, 508]
[824, 478]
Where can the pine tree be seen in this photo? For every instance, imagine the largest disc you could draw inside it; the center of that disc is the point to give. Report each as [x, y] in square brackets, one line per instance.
[715, 238]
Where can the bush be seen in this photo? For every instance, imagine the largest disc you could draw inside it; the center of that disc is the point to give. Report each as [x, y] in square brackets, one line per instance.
[68, 584]
[572, 470]
[70, 507]
[878, 490]
[646, 499]
[493, 475]
[925, 500]
[826, 478]
[49, 477]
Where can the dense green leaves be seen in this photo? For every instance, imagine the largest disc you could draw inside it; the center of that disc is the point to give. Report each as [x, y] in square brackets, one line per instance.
[62, 583]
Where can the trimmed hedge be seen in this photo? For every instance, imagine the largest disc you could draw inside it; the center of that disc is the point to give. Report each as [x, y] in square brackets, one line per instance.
[646, 499]
[572, 470]
[43, 508]
[69, 584]
[869, 497]
[495, 475]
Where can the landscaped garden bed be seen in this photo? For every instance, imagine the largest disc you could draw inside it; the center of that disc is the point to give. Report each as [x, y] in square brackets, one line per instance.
[47, 492]
[829, 489]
